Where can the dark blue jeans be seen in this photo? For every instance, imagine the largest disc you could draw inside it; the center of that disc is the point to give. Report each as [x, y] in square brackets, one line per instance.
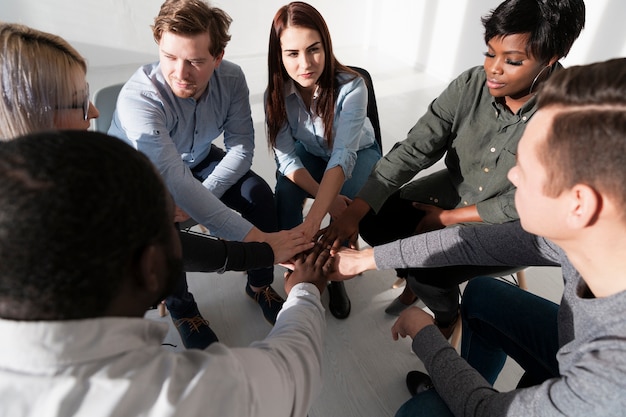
[252, 197]
[290, 197]
[500, 319]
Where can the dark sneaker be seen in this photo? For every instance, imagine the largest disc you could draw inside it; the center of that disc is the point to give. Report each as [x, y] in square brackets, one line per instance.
[194, 330]
[418, 382]
[269, 301]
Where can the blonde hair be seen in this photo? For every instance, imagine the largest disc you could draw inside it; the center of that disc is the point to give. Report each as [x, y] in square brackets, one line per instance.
[38, 73]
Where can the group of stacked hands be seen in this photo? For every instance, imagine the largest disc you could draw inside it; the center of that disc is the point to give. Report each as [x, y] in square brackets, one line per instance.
[72, 303]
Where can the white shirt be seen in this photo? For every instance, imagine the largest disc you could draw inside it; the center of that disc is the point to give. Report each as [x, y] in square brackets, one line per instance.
[117, 367]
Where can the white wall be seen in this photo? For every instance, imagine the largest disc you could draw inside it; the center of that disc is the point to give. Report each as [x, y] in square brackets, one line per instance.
[441, 37]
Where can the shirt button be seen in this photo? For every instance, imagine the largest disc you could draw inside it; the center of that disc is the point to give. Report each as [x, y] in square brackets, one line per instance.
[492, 149]
[465, 203]
[480, 188]
[486, 169]
[436, 200]
[524, 118]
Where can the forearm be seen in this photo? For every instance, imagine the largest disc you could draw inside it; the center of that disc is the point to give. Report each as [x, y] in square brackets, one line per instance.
[204, 253]
[235, 164]
[357, 209]
[286, 367]
[467, 214]
[462, 388]
[303, 179]
[328, 190]
[495, 245]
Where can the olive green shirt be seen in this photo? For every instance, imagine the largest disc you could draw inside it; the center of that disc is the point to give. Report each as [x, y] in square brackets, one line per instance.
[478, 137]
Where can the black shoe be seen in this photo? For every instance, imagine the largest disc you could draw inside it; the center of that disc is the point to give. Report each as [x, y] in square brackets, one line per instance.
[269, 300]
[339, 303]
[417, 382]
[194, 330]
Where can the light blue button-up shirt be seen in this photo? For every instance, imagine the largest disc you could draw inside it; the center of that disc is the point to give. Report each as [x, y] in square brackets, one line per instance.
[353, 131]
[177, 133]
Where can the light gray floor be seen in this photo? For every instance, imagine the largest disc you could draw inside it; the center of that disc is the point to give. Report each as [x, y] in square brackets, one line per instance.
[364, 368]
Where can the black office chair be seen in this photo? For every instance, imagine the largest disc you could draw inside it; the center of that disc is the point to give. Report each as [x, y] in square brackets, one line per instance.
[372, 107]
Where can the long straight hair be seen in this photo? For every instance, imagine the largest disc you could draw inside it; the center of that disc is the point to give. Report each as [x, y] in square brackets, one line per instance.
[300, 14]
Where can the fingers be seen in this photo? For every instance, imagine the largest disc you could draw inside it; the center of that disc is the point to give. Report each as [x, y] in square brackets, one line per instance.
[320, 256]
[395, 334]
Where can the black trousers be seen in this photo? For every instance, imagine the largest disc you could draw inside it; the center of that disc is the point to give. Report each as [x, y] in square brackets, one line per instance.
[437, 287]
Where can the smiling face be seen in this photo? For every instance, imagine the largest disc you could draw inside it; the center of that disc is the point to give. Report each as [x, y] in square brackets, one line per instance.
[186, 63]
[510, 70]
[303, 56]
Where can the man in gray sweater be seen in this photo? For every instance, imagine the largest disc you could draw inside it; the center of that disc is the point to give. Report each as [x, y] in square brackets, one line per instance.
[570, 178]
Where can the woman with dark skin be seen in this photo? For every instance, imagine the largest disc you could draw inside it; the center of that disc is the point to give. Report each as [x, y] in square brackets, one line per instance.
[476, 123]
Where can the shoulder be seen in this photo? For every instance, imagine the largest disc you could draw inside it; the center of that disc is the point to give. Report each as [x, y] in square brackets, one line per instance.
[229, 69]
[474, 76]
[147, 79]
[348, 83]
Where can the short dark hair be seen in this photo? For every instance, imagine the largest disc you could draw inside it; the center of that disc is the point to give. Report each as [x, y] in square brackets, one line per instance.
[552, 25]
[586, 143]
[75, 208]
[193, 17]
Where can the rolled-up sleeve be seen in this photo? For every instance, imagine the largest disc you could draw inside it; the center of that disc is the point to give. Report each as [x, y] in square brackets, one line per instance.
[141, 120]
[350, 116]
[233, 96]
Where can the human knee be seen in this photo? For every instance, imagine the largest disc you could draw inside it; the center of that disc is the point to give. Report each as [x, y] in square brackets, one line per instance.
[475, 294]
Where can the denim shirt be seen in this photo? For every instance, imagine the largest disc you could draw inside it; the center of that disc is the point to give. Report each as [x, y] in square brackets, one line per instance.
[479, 137]
[177, 134]
[352, 130]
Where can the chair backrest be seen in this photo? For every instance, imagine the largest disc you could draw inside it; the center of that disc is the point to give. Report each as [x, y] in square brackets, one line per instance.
[372, 107]
[105, 100]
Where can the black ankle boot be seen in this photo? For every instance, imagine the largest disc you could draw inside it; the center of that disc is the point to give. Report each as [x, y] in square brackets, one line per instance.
[339, 303]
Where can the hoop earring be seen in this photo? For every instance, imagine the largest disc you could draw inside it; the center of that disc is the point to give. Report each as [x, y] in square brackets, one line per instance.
[530, 91]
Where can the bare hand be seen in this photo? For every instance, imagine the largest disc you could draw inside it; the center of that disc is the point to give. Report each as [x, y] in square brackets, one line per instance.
[311, 267]
[411, 322]
[180, 215]
[286, 244]
[349, 263]
[432, 219]
[308, 229]
[339, 204]
[339, 231]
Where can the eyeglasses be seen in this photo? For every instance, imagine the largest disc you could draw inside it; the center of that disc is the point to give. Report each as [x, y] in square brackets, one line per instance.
[84, 105]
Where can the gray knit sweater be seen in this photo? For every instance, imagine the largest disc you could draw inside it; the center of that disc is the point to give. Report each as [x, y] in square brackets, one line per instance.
[592, 331]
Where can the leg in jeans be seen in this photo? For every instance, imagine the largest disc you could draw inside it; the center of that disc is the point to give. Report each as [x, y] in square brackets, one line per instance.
[500, 319]
[252, 197]
[438, 288]
[194, 330]
[425, 404]
[290, 200]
